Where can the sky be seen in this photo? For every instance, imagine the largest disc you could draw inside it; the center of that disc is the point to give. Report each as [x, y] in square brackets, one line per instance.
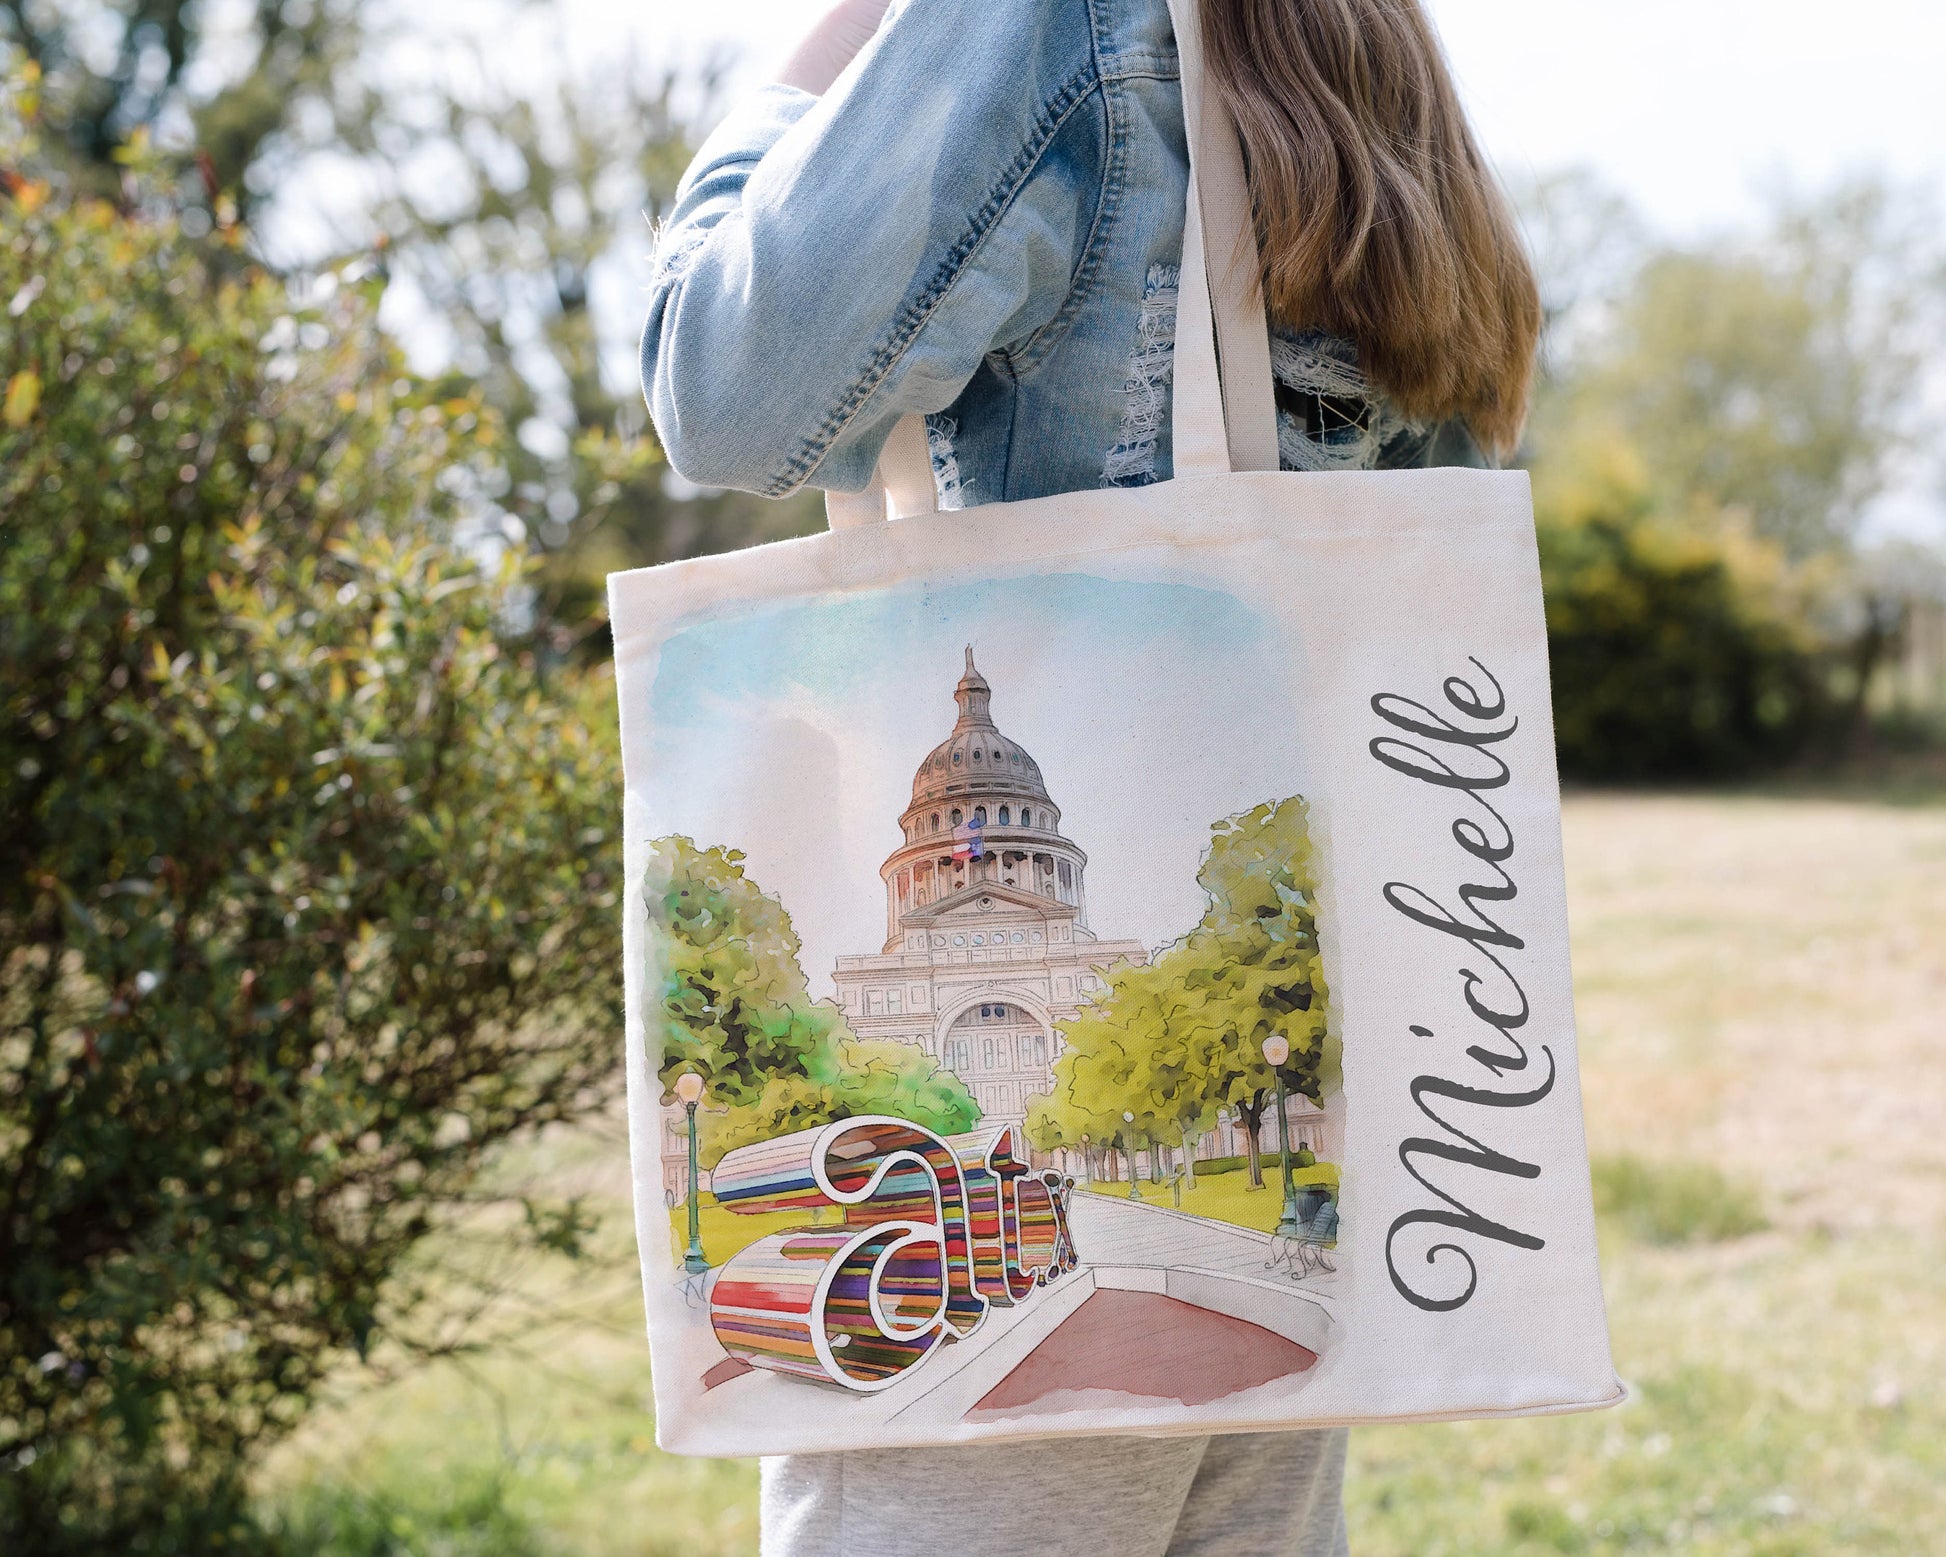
[1690, 106]
[816, 715]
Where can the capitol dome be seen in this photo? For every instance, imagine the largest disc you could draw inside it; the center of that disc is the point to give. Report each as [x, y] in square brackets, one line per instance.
[981, 829]
[976, 757]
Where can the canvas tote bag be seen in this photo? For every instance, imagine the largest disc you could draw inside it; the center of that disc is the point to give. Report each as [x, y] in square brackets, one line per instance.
[1100, 964]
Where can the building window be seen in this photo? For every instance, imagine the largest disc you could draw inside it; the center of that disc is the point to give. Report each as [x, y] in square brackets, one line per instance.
[987, 1054]
[875, 1003]
[1005, 818]
[935, 821]
[956, 756]
[958, 817]
[978, 754]
[1035, 937]
[979, 816]
[979, 940]
[1064, 986]
[895, 1002]
[1018, 938]
[959, 940]
[1026, 817]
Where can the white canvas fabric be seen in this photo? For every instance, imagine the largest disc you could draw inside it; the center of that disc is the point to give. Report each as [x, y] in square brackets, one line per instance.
[1009, 889]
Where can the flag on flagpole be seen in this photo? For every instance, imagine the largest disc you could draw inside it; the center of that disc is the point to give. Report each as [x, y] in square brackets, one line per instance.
[967, 842]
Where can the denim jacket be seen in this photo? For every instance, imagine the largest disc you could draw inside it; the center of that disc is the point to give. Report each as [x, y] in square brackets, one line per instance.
[980, 222]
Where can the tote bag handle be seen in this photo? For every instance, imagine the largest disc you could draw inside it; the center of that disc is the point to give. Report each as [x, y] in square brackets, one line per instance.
[1223, 417]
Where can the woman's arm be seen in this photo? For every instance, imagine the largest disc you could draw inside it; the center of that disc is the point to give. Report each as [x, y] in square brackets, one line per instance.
[834, 262]
[831, 45]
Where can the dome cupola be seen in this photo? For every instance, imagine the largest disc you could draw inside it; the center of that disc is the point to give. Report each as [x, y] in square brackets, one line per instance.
[976, 757]
[981, 825]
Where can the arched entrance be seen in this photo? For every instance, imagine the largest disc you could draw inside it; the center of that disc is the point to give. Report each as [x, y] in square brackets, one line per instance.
[1002, 1047]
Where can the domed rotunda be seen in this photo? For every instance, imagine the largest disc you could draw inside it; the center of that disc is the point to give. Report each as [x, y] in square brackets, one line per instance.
[987, 942]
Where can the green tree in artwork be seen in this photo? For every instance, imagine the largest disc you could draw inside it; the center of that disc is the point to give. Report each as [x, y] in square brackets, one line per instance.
[1259, 943]
[1176, 1040]
[1114, 1064]
[726, 980]
[845, 1077]
[735, 1008]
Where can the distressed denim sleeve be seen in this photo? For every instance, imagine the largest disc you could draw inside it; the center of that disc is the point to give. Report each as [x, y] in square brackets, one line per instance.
[833, 263]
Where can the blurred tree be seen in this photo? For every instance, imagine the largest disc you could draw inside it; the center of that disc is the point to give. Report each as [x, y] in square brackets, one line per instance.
[306, 896]
[516, 205]
[1681, 646]
[1776, 376]
[1587, 242]
[115, 69]
[508, 192]
[725, 976]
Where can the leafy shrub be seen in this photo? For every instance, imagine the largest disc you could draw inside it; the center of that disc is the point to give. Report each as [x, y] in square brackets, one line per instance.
[1674, 1202]
[1680, 648]
[305, 898]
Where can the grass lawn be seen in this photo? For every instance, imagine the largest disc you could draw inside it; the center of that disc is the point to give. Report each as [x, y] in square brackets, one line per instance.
[1228, 1197]
[725, 1232]
[1762, 988]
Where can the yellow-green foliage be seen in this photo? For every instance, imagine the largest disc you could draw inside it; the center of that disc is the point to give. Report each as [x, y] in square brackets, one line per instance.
[307, 893]
[1175, 1040]
[1680, 645]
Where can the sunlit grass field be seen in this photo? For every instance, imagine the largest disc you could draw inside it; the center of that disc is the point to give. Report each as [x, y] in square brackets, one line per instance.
[1762, 992]
[1228, 1197]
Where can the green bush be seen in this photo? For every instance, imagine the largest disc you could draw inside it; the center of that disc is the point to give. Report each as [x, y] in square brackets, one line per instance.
[1679, 647]
[1674, 1202]
[306, 900]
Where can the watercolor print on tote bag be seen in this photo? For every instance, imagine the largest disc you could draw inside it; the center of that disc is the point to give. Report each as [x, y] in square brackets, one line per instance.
[984, 996]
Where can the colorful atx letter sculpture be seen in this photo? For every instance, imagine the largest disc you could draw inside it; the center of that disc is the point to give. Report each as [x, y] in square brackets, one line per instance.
[936, 1230]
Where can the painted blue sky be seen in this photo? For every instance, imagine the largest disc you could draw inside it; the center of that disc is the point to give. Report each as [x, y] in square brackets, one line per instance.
[793, 731]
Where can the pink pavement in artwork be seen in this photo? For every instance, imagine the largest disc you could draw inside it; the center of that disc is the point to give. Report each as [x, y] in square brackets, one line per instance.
[1146, 1345]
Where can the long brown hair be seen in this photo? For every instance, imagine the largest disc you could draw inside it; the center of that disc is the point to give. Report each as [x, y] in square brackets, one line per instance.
[1377, 218]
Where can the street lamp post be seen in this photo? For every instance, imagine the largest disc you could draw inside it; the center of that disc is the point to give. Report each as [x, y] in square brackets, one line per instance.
[1128, 1151]
[1087, 1163]
[689, 1090]
[1277, 1050]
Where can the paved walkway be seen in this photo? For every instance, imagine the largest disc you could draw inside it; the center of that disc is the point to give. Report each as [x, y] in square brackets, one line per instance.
[1154, 1348]
[1112, 1231]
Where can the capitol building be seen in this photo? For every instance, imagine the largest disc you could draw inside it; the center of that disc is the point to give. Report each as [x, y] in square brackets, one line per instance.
[988, 946]
[987, 941]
